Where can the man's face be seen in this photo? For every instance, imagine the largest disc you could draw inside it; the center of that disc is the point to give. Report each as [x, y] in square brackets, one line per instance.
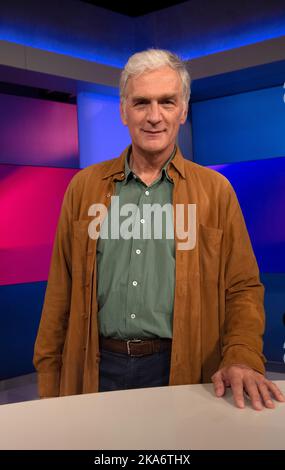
[154, 110]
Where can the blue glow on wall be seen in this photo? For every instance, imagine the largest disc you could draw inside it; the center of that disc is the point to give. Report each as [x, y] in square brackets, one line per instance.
[73, 50]
[239, 127]
[226, 43]
[73, 28]
[260, 188]
[101, 133]
[197, 28]
[117, 59]
[95, 34]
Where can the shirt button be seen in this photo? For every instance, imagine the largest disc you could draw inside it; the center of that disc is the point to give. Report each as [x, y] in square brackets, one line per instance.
[142, 221]
[135, 283]
[138, 252]
[147, 193]
[108, 195]
[122, 175]
[133, 316]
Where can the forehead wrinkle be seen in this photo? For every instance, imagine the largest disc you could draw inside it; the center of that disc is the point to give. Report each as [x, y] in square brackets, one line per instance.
[164, 96]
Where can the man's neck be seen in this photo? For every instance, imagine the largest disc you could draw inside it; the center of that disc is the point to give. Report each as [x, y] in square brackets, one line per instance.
[148, 165]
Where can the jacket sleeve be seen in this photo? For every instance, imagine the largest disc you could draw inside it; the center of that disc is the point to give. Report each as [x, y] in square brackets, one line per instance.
[244, 295]
[55, 313]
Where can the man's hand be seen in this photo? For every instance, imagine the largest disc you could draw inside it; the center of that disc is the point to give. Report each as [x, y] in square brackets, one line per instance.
[241, 378]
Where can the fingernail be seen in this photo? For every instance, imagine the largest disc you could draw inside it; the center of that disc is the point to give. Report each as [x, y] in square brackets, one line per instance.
[258, 405]
[240, 404]
[269, 403]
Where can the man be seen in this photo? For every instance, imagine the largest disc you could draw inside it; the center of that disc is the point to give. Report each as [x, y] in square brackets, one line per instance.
[127, 312]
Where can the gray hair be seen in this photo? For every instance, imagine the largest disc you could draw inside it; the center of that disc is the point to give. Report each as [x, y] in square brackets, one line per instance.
[152, 59]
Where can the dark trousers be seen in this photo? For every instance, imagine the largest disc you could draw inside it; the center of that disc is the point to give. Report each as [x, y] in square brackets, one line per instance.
[123, 372]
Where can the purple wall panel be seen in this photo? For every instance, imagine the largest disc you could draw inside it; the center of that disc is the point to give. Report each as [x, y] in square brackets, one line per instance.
[38, 132]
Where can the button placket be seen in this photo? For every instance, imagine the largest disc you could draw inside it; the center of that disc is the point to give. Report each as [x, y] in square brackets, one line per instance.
[134, 290]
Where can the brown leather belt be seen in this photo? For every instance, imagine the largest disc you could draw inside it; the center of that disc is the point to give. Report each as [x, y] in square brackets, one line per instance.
[135, 347]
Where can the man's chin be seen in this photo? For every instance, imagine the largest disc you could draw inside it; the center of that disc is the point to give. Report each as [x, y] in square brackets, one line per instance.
[154, 147]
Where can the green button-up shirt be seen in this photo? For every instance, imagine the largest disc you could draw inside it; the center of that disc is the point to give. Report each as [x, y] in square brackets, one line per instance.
[136, 260]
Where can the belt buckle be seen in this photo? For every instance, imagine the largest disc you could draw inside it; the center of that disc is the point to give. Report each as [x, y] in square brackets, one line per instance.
[129, 349]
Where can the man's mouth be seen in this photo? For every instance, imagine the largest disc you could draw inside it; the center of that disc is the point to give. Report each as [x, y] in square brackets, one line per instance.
[153, 132]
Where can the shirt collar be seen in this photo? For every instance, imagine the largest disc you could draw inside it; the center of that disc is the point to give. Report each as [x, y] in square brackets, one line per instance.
[115, 167]
[130, 174]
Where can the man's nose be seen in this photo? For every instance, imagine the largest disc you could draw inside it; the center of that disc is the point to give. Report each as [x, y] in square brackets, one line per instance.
[154, 115]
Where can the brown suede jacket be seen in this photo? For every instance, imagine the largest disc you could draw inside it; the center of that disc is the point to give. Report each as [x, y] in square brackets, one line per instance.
[218, 314]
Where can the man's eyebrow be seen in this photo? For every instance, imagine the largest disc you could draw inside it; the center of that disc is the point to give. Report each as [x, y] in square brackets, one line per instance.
[160, 98]
[168, 97]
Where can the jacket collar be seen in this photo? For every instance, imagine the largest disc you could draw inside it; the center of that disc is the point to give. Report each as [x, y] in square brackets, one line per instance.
[117, 168]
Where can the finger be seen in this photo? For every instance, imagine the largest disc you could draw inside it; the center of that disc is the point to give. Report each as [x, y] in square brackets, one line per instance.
[276, 392]
[237, 389]
[219, 386]
[265, 394]
[253, 393]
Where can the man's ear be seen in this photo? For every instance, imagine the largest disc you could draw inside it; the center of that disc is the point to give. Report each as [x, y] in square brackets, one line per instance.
[123, 114]
[184, 115]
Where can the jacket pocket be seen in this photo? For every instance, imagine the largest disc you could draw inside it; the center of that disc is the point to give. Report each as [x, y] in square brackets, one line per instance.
[210, 240]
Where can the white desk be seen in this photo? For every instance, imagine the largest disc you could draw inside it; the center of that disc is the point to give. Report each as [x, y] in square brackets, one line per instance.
[181, 417]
